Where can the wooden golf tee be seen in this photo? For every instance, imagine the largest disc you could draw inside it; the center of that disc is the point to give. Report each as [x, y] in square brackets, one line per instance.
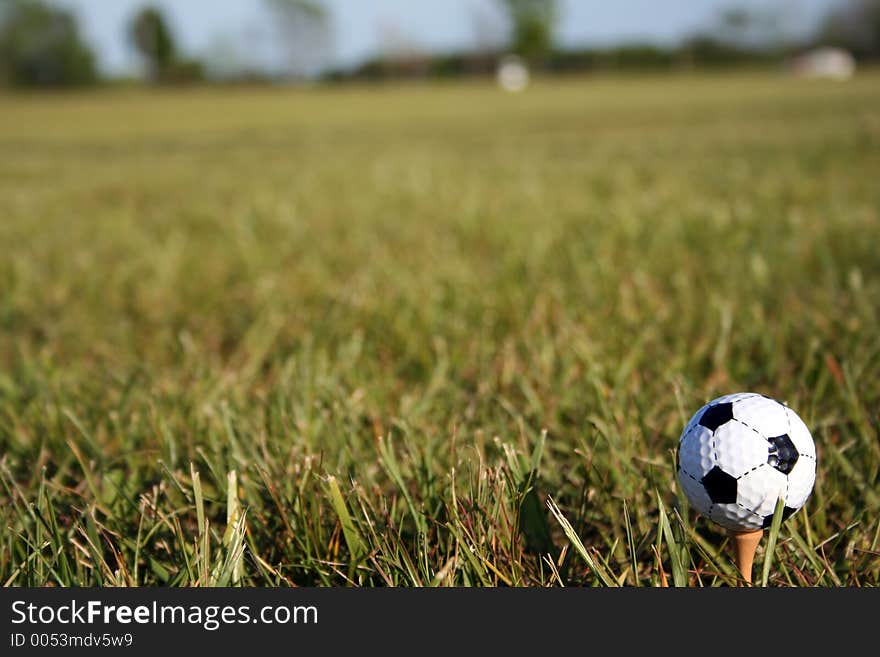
[744, 545]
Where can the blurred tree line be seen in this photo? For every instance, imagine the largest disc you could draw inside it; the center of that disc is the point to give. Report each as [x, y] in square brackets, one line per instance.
[41, 45]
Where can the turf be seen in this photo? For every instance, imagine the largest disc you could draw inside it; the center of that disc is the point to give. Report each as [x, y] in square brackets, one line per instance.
[429, 335]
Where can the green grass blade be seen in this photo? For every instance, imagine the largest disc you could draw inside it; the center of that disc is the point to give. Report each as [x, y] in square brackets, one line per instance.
[772, 537]
[679, 572]
[595, 566]
[353, 539]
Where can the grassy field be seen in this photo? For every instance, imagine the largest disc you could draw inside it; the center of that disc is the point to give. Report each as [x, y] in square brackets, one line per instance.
[364, 336]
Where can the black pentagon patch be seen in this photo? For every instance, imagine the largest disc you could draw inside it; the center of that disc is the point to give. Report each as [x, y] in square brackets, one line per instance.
[717, 415]
[782, 454]
[786, 514]
[720, 486]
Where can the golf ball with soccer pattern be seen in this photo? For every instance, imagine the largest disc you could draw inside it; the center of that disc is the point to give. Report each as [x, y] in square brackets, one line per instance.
[739, 454]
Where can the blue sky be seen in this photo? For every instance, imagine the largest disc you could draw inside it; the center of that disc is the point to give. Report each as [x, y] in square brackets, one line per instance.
[360, 26]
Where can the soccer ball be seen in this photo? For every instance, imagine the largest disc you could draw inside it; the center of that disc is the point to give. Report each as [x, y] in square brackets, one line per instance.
[739, 454]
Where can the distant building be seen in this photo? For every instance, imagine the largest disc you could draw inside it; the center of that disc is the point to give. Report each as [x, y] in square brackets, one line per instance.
[827, 63]
[512, 74]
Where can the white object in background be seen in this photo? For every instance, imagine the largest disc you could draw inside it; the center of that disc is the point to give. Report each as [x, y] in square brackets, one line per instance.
[827, 63]
[513, 74]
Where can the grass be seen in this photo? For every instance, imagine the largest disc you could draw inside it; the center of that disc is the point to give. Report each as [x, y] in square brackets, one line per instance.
[429, 336]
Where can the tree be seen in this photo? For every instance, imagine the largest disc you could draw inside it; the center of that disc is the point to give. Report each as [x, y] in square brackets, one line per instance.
[40, 46]
[744, 28]
[532, 25]
[305, 32]
[856, 26]
[152, 38]
[736, 23]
